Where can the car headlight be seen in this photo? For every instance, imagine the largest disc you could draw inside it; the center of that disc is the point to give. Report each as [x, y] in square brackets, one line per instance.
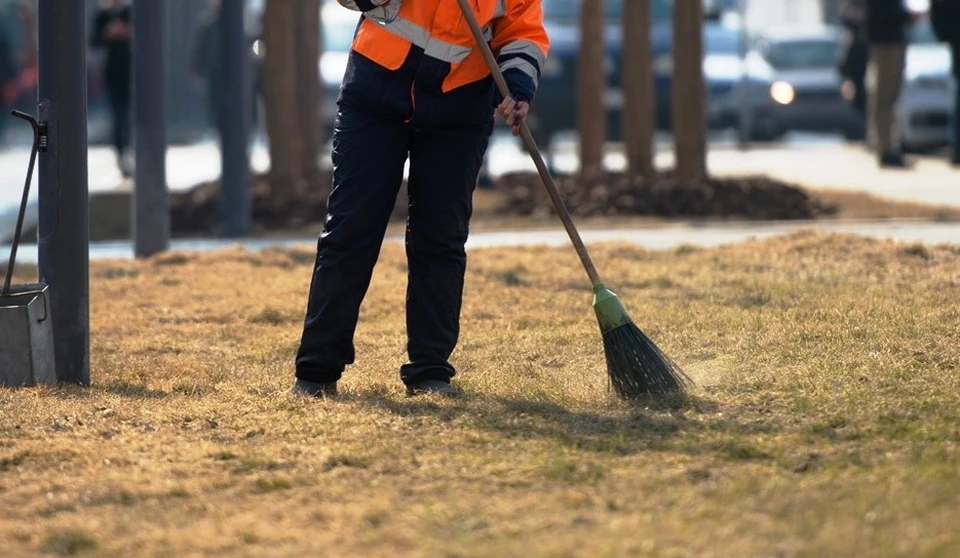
[257, 48]
[782, 92]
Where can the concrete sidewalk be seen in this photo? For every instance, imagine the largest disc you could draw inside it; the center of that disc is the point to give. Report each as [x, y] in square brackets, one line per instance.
[657, 238]
[187, 166]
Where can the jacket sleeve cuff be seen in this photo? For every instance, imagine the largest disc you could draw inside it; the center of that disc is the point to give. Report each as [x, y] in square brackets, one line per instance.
[521, 85]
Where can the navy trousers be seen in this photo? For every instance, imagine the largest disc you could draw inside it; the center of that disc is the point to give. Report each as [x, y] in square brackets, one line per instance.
[369, 154]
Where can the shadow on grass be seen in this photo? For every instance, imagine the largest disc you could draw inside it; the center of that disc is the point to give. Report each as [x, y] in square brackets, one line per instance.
[133, 391]
[648, 426]
[123, 389]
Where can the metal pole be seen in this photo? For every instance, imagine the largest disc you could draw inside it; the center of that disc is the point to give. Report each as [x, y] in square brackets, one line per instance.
[63, 225]
[151, 215]
[746, 114]
[236, 208]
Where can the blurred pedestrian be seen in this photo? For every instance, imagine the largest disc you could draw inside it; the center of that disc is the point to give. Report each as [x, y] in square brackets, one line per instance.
[9, 72]
[208, 62]
[208, 67]
[416, 88]
[855, 57]
[945, 17]
[112, 32]
[25, 41]
[888, 27]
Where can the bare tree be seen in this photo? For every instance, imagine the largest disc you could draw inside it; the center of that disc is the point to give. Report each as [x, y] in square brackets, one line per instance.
[636, 76]
[591, 85]
[689, 97]
[291, 33]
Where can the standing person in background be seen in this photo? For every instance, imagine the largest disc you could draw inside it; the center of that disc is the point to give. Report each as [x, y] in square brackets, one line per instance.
[888, 26]
[8, 77]
[25, 46]
[208, 63]
[208, 67]
[112, 31]
[945, 17]
[856, 56]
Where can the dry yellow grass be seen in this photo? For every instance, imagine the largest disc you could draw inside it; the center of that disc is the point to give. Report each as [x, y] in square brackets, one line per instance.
[826, 421]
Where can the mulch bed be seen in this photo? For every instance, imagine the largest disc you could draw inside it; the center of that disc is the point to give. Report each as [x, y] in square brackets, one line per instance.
[609, 194]
[618, 194]
[198, 211]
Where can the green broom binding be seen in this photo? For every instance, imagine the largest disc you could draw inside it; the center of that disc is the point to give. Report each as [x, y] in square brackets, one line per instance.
[635, 364]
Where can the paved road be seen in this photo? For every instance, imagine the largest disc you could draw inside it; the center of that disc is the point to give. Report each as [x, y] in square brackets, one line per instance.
[658, 238]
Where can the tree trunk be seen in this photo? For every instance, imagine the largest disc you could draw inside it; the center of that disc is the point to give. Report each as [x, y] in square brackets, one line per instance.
[636, 73]
[309, 94]
[689, 97]
[281, 100]
[591, 84]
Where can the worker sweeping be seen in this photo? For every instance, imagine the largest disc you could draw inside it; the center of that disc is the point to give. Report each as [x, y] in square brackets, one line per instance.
[416, 87]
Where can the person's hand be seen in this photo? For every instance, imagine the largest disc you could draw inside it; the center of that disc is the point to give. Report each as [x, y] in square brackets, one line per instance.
[118, 30]
[514, 112]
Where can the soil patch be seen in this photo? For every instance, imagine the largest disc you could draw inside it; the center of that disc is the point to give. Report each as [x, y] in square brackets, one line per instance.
[618, 194]
[606, 195]
[198, 210]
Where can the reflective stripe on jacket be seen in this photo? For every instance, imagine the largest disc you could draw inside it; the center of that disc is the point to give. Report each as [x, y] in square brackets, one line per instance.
[415, 59]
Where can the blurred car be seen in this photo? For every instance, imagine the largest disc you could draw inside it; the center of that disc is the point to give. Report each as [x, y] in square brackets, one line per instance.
[554, 109]
[808, 88]
[732, 74]
[926, 103]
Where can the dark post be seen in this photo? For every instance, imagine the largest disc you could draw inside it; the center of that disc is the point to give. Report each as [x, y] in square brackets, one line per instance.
[234, 122]
[64, 227]
[151, 215]
[745, 128]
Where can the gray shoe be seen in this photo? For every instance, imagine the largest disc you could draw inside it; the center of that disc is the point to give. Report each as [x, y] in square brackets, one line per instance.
[315, 389]
[432, 387]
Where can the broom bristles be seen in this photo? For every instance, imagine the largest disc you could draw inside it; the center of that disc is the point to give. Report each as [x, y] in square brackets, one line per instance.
[637, 367]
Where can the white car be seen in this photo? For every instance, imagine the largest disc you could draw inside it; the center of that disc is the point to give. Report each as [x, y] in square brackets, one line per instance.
[808, 87]
[927, 101]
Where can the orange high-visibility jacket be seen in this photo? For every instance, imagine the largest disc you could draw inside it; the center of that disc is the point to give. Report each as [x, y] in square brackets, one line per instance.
[415, 60]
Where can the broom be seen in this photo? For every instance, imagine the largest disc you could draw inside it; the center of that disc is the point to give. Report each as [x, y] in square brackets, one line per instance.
[635, 365]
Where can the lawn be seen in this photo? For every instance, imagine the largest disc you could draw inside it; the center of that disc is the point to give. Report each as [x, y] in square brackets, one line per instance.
[825, 421]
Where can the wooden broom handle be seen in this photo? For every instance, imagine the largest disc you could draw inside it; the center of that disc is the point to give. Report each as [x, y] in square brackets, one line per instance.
[531, 145]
